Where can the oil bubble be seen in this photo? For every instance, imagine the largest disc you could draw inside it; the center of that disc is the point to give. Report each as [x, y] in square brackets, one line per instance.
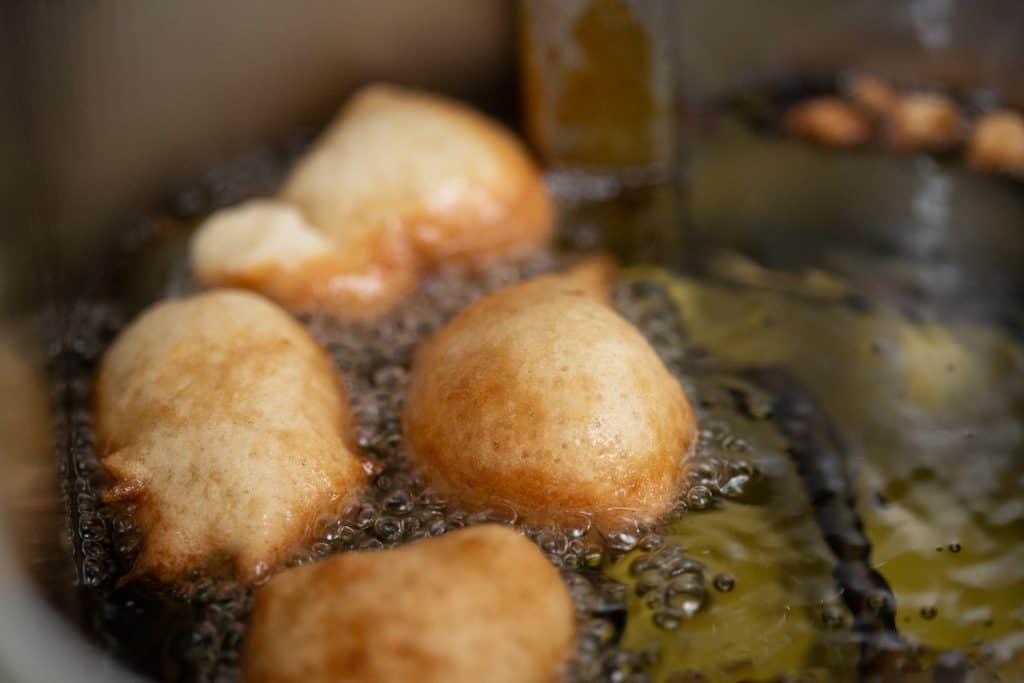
[668, 619]
[650, 581]
[724, 583]
[832, 617]
[877, 601]
[699, 497]
[552, 541]
[651, 542]
[388, 529]
[735, 486]
[640, 564]
[688, 603]
[398, 503]
[375, 357]
[623, 541]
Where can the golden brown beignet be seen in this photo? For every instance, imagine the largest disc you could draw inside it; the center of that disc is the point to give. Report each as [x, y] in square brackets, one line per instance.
[543, 398]
[829, 121]
[872, 94]
[401, 182]
[479, 604]
[997, 143]
[226, 424]
[921, 121]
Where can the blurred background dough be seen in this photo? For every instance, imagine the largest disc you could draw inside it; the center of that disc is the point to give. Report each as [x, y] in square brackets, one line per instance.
[543, 398]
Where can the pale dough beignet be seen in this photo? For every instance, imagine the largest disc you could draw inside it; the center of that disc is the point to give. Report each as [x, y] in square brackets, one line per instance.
[226, 424]
[401, 182]
[479, 604]
[541, 397]
[266, 245]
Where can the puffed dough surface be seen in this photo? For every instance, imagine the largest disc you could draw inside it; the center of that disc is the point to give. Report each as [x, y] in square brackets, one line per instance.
[542, 398]
[401, 182]
[479, 604]
[226, 426]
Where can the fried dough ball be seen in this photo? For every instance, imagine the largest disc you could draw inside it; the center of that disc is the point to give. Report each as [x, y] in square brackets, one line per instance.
[923, 122]
[829, 121]
[401, 182]
[456, 183]
[872, 94]
[225, 424]
[541, 397]
[911, 122]
[997, 143]
[479, 604]
[268, 246]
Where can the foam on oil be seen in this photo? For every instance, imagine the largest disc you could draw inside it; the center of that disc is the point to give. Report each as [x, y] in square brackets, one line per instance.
[202, 623]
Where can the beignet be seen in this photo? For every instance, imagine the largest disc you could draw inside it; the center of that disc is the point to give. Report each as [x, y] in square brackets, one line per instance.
[401, 182]
[225, 424]
[829, 121]
[997, 143]
[922, 121]
[541, 397]
[479, 604]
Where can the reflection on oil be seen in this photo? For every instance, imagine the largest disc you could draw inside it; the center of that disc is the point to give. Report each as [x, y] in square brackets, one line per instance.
[934, 416]
[771, 607]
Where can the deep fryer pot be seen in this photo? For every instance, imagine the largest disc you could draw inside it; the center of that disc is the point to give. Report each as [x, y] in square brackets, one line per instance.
[108, 108]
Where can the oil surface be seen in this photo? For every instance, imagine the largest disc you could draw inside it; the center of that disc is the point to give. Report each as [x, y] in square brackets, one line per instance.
[194, 632]
[757, 575]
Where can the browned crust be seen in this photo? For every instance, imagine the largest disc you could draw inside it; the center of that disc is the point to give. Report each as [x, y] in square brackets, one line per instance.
[645, 494]
[518, 218]
[829, 121]
[374, 616]
[644, 497]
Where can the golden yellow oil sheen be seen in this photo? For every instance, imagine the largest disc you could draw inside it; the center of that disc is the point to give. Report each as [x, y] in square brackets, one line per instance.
[853, 351]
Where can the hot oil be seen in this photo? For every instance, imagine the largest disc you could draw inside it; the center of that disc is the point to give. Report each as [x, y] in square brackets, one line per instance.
[375, 358]
[887, 285]
[930, 414]
[194, 632]
[890, 285]
[898, 410]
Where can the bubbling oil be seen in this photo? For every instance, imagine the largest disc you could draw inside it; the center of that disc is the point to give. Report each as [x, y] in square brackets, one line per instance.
[375, 359]
[194, 631]
[740, 552]
[736, 582]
